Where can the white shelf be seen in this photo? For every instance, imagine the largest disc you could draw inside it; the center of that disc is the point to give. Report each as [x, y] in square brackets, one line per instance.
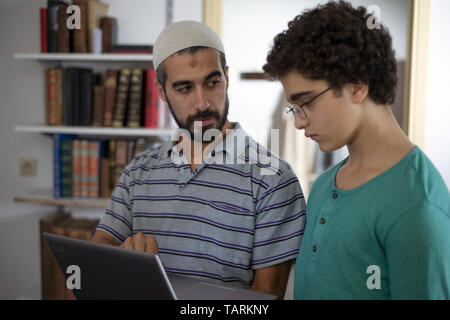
[84, 57]
[95, 131]
[64, 202]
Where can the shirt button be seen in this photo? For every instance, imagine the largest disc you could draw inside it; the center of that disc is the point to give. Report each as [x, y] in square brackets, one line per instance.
[314, 248]
[322, 221]
[335, 195]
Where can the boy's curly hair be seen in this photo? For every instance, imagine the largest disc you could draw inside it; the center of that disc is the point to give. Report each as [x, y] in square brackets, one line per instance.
[332, 42]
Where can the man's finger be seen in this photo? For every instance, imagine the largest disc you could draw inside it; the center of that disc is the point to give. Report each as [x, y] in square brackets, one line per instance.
[128, 244]
[151, 245]
[139, 242]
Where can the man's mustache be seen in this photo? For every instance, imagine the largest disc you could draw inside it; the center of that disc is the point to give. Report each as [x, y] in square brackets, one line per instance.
[202, 115]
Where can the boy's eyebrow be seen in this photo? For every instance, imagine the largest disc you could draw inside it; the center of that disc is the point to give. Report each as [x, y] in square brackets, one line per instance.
[187, 82]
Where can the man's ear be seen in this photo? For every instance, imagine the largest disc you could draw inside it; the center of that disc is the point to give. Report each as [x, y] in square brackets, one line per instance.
[226, 76]
[360, 91]
[161, 92]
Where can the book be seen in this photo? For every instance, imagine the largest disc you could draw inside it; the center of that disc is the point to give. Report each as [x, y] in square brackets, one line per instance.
[131, 150]
[98, 101]
[43, 28]
[104, 178]
[121, 159]
[95, 11]
[135, 99]
[109, 33]
[85, 98]
[151, 102]
[57, 163]
[76, 168]
[85, 151]
[94, 168]
[53, 96]
[52, 25]
[80, 42]
[63, 32]
[112, 165]
[97, 45]
[66, 167]
[110, 96]
[123, 84]
[71, 95]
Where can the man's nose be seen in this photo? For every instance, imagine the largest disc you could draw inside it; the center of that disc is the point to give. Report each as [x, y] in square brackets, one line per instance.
[201, 99]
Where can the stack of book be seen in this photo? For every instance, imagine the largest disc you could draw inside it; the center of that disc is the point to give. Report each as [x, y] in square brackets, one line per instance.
[84, 27]
[90, 168]
[127, 98]
[61, 223]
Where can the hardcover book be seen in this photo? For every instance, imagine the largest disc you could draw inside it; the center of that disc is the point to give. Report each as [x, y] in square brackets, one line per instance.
[123, 85]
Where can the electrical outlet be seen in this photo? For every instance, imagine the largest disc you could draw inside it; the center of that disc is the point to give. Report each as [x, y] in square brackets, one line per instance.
[28, 167]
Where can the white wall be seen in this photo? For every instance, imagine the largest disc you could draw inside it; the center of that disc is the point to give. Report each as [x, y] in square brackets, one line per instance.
[21, 103]
[438, 114]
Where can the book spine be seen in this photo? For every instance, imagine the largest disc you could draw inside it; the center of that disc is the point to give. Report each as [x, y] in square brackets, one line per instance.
[57, 120]
[63, 31]
[121, 97]
[109, 33]
[135, 99]
[52, 26]
[121, 159]
[85, 98]
[76, 169]
[80, 35]
[85, 168]
[51, 96]
[112, 165]
[43, 29]
[151, 99]
[104, 178]
[66, 167]
[99, 102]
[110, 96]
[94, 168]
[57, 166]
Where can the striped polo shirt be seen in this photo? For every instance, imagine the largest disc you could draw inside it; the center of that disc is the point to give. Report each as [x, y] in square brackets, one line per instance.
[235, 213]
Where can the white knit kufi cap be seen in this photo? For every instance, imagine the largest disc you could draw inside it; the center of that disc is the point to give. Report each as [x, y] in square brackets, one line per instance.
[181, 35]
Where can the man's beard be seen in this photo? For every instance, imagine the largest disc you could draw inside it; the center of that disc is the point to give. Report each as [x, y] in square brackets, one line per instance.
[189, 124]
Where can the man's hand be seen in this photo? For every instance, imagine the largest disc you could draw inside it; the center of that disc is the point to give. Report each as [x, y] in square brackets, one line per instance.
[141, 242]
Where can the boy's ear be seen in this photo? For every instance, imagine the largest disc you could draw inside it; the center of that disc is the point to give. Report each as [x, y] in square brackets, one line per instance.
[360, 91]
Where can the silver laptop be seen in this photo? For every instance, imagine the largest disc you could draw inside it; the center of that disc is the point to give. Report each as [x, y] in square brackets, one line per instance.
[98, 271]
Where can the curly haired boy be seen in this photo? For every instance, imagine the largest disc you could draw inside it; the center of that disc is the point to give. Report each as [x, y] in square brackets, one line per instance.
[378, 222]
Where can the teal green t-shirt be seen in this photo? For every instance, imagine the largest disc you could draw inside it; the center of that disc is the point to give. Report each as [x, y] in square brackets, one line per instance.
[386, 239]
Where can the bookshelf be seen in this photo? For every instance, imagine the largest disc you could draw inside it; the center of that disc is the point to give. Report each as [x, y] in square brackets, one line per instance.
[94, 61]
[104, 57]
[94, 131]
[46, 198]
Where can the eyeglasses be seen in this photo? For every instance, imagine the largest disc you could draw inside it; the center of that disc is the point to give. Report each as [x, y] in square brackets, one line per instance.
[298, 110]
